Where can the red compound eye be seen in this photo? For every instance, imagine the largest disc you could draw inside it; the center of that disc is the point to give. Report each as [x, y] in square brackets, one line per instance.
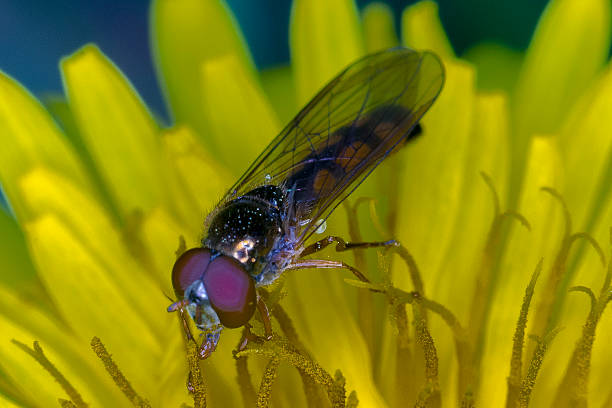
[189, 267]
[231, 291]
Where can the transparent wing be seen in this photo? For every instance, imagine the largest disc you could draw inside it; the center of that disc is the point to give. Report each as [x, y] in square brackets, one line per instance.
[349, 127]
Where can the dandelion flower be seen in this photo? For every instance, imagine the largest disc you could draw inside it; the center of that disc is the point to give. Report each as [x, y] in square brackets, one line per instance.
[502, 208]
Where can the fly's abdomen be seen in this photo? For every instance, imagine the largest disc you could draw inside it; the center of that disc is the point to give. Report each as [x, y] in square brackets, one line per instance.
[349, 150]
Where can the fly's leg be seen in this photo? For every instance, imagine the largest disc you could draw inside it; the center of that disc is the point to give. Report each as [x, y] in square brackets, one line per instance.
[209, 344]
[265, 316]
[342, 245]
[178, 306]
[248, 335]
[325, 264]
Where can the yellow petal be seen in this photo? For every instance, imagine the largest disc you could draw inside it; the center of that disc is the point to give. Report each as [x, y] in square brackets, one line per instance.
[16, 263]
[487, 152]
[116, 128]
[199, 180]
[160, 234]
[570, 45]
[279, 86]
[236, 110]
[46, 193]
[544, 169]
[58, 107]
[5, 402]
[498, 66]
[90, 301]
[378, 27]
[586, 145]
[329, 329]
[422, 29]
[30, 138]
[186, 34]
[324, 37]
[22, 320]
[434, 174]
[172, 389]
[524, 250]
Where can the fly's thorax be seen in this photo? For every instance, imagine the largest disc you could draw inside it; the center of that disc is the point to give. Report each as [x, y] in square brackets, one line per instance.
[247, 227]
[285, 250]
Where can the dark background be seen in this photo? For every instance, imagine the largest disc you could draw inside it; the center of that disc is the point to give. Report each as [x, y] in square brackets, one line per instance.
[34, 35]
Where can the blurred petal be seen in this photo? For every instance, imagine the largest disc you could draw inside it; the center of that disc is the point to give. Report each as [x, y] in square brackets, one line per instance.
[186, 34]
[524, 250]
[22, 321]
[430, 195]
[91, 303]
[586, 147]
[160, 234]
[279, 86]
[30, 138]
[570, 45]
[422, 29]
[498, 66]
[378, 27]
[329, 331]
[324, 37]
[487, 152]
[198, 178]
[544, 169]
[47, 193]
[236, 107]
[18, 270]
[5, 402]
[116, 128]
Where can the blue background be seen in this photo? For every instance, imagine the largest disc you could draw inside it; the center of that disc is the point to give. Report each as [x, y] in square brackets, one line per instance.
[34, 35]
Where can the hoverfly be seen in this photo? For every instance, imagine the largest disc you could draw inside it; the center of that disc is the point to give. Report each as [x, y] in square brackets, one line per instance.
[260, 227]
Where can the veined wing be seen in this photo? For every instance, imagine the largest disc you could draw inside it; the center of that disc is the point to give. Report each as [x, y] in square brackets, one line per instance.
[348, 128]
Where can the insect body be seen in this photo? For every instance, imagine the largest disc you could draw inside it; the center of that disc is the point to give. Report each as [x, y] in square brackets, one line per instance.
[259, 229]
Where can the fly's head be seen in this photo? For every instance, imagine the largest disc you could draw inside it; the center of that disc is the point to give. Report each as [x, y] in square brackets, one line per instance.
[216, 292]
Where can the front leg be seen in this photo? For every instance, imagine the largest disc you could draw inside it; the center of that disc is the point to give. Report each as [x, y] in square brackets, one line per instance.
[342, 245]
[324, 264]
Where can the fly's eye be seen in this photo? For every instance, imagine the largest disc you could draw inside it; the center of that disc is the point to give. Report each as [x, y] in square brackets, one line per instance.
[189, 267]
[231, 291]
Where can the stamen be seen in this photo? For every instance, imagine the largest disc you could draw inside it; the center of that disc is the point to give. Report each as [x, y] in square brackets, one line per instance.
[430, 393]
[489, 182]
[534, 367]
[516, 361]
[66, 404]
[482, 297]
[589, 239]
[116, 374]
[574, 386]
[244, 377]
[398, 298]
[312, 391]
[283, 350]
[352, 401]
[566, 214]
[196, 378]
[38, 355]
[269, 375]
[553, 295]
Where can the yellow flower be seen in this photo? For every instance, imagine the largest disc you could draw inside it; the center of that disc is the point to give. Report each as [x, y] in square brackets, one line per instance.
[100, 202]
